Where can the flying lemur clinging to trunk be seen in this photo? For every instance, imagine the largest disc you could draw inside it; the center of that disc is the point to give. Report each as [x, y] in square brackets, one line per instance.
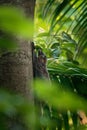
[40, 72]
[39, 64]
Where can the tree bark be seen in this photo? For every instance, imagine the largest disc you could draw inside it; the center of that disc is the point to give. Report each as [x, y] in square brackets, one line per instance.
[16, 71]
[16, 67]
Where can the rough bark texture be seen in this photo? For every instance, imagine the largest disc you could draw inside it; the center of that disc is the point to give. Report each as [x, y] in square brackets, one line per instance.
[16, 67]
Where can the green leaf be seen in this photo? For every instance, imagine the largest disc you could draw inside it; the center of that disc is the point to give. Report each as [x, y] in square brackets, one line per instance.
[13, 21]
[45, 34]
[57, 98]
[67, 38]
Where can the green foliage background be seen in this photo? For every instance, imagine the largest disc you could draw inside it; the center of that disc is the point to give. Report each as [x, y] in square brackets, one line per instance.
[60, 32]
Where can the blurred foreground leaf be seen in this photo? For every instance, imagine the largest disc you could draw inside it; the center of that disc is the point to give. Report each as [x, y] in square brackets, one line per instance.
[12, 20]
[12, 105]
[58, 98]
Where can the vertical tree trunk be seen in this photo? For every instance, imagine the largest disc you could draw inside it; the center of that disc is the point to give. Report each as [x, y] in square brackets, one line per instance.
[16, 67]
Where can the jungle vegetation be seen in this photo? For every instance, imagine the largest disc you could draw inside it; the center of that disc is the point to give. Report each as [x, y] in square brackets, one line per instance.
[60, 31]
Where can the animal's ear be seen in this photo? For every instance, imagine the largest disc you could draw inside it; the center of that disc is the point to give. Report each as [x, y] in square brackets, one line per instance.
[40, 52]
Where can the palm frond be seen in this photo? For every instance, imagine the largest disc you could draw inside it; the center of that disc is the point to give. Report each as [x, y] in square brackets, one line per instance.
[70, 16]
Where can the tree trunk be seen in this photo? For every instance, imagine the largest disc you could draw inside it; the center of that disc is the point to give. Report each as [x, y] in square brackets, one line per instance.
[16, 67]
